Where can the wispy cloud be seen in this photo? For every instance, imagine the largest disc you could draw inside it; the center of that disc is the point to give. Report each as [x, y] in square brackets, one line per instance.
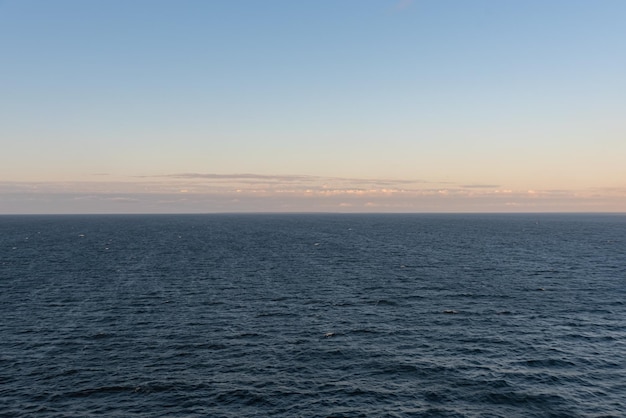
[403, 4]
[198, 192]
[480, 186]
[289, 178]
[240, 177]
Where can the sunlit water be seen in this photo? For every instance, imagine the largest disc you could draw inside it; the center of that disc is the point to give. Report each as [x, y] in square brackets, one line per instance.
[313, 316]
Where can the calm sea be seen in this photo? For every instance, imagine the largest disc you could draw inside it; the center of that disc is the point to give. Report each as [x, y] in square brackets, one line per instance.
[313, 316]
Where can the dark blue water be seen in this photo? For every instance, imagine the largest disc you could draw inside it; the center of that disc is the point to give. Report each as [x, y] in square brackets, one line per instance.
[313, 316]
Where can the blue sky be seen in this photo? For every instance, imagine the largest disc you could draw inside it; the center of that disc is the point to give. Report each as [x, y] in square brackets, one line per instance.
[362, 105]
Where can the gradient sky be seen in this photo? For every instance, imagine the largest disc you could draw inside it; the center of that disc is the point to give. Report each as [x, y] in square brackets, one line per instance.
[110, 106]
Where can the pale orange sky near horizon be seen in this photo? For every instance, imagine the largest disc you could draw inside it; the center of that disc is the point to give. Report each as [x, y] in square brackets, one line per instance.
[382, 106]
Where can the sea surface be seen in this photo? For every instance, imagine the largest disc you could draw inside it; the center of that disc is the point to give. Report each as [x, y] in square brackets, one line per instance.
[313, 316]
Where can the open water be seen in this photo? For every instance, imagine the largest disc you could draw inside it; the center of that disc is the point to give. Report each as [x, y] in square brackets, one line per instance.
[313, 316]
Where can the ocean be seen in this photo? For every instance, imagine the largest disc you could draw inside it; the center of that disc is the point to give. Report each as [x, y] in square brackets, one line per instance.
[313, 315]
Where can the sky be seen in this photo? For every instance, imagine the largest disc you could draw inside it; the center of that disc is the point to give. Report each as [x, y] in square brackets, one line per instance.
[194, 106]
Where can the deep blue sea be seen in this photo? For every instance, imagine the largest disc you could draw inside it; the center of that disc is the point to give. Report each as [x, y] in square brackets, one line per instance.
[313, 316]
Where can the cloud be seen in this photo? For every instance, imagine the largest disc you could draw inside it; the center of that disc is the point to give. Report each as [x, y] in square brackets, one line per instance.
[480, 186]
[240, 177]
[200, 193]
[403, 4]
[284, 179]
[277, 177]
